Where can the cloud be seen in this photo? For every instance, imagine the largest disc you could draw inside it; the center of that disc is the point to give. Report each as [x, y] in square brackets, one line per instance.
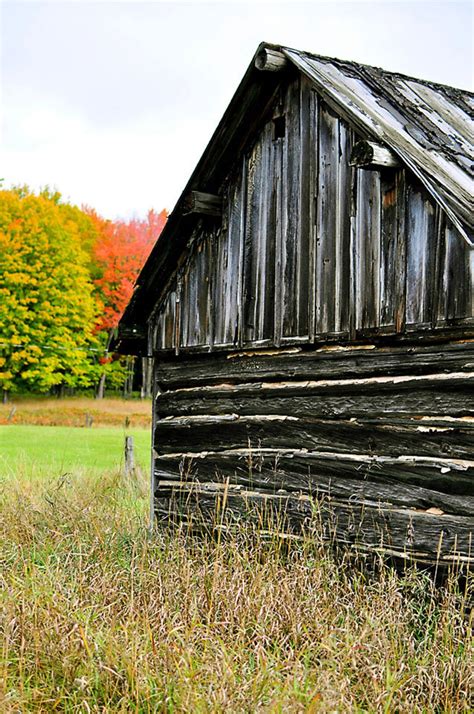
[118, 171]
[114, 102]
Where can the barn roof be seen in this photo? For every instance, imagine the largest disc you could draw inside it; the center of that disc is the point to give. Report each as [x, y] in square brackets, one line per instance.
[428, 125]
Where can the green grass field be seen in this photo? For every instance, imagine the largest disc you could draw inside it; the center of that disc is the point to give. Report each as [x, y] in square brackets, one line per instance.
[57, 449]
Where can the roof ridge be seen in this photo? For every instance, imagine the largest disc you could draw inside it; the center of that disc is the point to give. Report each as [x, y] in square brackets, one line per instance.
[401, 75]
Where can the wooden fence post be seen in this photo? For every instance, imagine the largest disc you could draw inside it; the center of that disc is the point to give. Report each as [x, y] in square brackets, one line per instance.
[129, 457]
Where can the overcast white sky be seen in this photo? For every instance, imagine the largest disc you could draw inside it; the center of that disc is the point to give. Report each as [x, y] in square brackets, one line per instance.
[113, 102]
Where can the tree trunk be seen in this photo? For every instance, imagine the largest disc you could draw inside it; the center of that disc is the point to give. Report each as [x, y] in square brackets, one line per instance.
[128, 386]
[101, 387]
[5, 396]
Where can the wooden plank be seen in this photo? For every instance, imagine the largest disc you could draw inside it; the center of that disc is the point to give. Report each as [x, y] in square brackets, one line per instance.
[177, 316]
[343, 231]
[291, 195]
[368, 231]
[184, 304]
[195, 327]
[316, 364]
[169, 321]
[227, 267]
[385, 436]
[438, 266]
[204, 203]
[271, 283]
[188, 298]
[221, 291]
[400, 264]
[420, 255]
[389, 249]
[211, 278]
[327, 209]
[202, 333]
[259, 261]
[162, 324]
[249, 288]
[313, 154]
[158, 336]
[242, 265]
[401, 532]
[354, 257]
[457, 278]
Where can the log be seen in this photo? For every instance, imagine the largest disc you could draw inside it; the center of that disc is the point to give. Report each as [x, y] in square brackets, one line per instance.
[353, 490]
[387, 436]
[364, 385]
[427, 536]
[295, 363]
[369, 154]
[269, 60]
[303, 470]
[350, 406]
[204, 203]
[420, 396]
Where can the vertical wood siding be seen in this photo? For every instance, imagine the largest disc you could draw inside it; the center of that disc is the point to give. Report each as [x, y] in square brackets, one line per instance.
[262, 200]
[456, 292]
[421, 244]
[300, 156]
[310, 248]
[368, 235]
[228, 268]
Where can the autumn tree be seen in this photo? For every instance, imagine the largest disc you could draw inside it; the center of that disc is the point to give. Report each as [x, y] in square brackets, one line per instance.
[66, 275]
[47, 305]
[120, 252]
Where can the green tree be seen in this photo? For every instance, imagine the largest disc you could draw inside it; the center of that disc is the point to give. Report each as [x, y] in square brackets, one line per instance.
[47, 306]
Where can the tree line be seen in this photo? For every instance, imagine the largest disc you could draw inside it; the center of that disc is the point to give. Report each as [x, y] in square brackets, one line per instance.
[66, 275]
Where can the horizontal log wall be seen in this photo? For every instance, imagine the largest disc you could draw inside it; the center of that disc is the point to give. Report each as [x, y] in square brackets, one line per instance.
[378, 442]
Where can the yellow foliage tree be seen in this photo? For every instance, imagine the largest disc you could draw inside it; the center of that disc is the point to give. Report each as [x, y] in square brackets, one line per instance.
[47, 304]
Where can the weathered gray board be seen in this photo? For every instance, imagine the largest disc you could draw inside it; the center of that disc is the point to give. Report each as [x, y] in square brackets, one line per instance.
[376, 431]
[387, 459]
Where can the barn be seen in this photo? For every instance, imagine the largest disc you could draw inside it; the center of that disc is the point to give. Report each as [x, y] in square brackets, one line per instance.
[309, 312]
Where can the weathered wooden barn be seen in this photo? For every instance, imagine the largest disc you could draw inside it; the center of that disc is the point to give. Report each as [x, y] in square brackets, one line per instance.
[309, 309]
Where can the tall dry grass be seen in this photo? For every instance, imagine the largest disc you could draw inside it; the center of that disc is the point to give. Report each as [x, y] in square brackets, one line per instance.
[98, 616]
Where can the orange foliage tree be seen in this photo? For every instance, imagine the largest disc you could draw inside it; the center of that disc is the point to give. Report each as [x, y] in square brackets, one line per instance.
[119, 253]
